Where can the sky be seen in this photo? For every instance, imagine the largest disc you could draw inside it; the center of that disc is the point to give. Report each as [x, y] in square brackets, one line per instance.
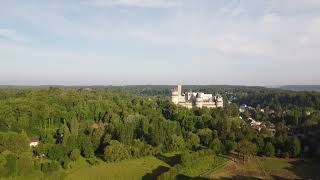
[129, 42]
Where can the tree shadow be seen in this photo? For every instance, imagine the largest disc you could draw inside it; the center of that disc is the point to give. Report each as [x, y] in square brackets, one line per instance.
[305, 168]
[155, 173]
[279, 178]
[172, 161]
[183, 177]
[240, 178]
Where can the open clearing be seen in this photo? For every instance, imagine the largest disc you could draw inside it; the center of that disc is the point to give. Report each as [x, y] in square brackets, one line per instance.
[209, 167]
[144, 168]
[268, 168]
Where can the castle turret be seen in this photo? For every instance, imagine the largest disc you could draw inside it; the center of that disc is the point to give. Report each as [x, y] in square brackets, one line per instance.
[219, 101]
[179, 89]
[175, 96]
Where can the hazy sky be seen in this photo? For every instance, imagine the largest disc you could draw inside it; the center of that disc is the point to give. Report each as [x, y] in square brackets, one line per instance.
[87, 42]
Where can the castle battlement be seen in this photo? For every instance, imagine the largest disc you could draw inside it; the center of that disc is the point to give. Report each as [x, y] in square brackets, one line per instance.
[195, 99]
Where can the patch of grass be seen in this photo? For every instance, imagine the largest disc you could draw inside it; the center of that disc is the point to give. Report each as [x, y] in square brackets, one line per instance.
[271, 164]
[269, 168]
[37, 175]
[204, 164]
[128, 169]
[301, 168]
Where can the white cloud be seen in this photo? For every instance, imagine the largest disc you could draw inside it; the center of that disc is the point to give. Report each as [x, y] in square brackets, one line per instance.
[7, 32]
[133, 3]
[261, 36]
[11, 34]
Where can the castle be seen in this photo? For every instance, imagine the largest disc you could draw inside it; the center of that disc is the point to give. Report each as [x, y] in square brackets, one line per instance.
[195, 99]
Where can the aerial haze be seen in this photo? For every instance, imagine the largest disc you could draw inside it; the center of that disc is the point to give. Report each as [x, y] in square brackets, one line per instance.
[120, 42]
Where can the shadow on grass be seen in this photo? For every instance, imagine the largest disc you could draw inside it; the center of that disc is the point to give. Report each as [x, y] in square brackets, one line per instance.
[155, 173]
[183, 177]
[305, 168]
[172, 161]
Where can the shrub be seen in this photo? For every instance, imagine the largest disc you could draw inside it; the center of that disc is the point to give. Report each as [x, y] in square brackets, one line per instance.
[75, 154]
[230, 146]
[116, 151]
[50, 167]
[193, 141]
[88, 152]
[56, 153]
[66, 163]
[216, 146]
[269, 149]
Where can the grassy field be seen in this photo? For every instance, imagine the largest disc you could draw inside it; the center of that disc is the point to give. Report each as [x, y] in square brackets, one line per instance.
[268, 168]
[205, 164]
[207, 167]
[144, 168]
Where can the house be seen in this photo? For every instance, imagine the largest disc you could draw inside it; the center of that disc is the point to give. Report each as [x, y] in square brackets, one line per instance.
[242, 108]
[256, 124]
[34, 142]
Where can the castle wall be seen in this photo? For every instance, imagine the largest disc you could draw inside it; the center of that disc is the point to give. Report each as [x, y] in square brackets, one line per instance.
[193, 99]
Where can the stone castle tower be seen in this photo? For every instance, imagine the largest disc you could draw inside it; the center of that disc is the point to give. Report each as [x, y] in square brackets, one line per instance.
[195, 99]
[176, 94]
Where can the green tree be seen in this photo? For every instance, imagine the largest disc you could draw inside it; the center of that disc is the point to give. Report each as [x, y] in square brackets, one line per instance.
[192, 141]
[56, 152]
[216, 146]
[86, 147]
[295, 147]
[230, 146]
[177, 143]
[205, 136]
[269, 149]
[74, 126]
[115, 152]
[246, 148]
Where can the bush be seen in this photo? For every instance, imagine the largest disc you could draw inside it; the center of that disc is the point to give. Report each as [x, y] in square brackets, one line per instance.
[50, 167]
[116, 151]
[177, 143]
[56, 153]
[93, 161]
[193, 141]
[88, 152]
[269, 149]
[216, 146]
[294, 147]
[230, 146]
[66, 163]
[75, 154]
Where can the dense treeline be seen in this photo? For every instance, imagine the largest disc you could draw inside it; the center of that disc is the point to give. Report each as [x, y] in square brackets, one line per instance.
[113, 125]
[291, 108]
[280, 99]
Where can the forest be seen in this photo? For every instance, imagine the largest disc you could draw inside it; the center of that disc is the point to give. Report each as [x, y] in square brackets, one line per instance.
[118, 123]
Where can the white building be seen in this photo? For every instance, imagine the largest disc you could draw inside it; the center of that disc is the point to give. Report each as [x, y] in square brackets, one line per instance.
[195, 99]
[34, 142]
